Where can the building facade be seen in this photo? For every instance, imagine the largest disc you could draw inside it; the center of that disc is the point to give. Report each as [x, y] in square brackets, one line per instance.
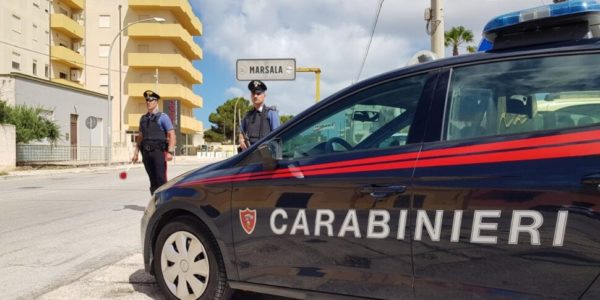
[67, 42]
[148, 55]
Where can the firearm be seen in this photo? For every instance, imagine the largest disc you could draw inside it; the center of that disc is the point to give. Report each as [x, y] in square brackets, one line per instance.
[246, 140]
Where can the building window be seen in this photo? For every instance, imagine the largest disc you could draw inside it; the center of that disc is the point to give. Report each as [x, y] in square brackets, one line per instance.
[16, 61]
[103, 50]
[34, 67]
[104, 21]
[46, 70]
[35, 32]
[103, 79]
[62, 75]
[16, 23]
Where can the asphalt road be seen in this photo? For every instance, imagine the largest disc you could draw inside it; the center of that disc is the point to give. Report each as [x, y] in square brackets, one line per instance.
[66, 235]
[56, 228]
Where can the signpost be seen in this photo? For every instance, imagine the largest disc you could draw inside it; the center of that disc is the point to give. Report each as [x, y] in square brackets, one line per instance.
[266, 69]
[90, 123]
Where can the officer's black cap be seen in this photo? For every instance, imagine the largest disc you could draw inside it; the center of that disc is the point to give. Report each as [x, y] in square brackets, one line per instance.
[257, 86]
[151, 95]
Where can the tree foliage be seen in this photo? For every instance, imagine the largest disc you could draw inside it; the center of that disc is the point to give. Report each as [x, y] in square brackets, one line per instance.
[285, 118]
[222, 120]
[457, 36]
[30, 125]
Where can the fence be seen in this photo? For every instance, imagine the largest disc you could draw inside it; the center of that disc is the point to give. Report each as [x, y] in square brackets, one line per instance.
[36, 154]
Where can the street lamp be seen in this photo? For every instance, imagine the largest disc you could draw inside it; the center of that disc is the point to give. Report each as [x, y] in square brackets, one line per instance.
[109, 106]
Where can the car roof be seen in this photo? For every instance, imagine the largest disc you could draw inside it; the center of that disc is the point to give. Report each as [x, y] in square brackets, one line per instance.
[474, 58]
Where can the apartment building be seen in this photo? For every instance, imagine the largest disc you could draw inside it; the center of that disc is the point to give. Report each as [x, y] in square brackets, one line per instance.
[67, 43]
[25, 38]
[42, 64]
[148, 55]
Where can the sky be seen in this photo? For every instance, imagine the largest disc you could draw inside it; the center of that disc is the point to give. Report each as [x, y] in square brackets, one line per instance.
[328, 34]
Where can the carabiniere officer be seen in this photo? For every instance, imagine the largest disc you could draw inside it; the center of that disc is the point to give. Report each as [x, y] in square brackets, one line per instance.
[156, 141]
[261, 120]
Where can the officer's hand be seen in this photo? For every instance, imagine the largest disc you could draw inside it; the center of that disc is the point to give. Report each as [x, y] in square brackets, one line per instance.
[169, 156]
[243, 145]
[134, 159]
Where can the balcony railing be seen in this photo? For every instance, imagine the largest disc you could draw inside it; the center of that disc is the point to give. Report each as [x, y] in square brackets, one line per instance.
[173, 32]
[180, 8]
[74, 4]
[67, 57]
[175, 62]
[67, 26]
[168, 91]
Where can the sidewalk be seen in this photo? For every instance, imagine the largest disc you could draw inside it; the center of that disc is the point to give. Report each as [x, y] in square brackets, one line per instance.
[83, 167]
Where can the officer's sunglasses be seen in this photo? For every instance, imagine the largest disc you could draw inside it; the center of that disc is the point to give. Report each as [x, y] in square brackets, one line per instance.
[150, 99]
[257, 93]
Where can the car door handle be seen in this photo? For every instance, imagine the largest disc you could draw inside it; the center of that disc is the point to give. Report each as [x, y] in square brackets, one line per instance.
[377, 191]
[592, 180]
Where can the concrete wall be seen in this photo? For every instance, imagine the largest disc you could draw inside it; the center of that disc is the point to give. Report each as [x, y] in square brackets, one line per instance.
[8, 158]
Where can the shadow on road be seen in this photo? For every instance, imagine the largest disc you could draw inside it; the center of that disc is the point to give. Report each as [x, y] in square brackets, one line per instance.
[145, 283]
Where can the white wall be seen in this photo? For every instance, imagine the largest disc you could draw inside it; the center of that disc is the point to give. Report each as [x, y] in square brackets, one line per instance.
[8, 148]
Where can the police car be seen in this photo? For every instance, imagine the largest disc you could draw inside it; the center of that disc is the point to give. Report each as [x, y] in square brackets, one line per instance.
[469, 177]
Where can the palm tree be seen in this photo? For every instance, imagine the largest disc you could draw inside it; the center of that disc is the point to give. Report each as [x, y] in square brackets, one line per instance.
[456, 36]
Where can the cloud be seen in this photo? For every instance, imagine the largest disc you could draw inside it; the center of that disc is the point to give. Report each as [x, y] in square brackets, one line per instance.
[331, 35]
[233, 91]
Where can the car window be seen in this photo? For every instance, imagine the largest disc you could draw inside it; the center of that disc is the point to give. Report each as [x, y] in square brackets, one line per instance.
[375, 118]
[523, 95]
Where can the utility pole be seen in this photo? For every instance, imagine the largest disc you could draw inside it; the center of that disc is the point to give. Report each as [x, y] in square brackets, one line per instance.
[435, 26]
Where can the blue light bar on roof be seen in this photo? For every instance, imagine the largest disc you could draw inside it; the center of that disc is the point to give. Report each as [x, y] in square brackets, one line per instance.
[546, 11]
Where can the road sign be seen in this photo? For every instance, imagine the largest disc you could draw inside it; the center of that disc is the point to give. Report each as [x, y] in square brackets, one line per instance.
[266, 69]
[91, 122]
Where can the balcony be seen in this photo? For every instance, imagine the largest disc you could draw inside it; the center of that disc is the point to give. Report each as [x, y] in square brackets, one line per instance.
[190, 125]
[68, 82]
[67, 57]
[73, 4]
[133, 121]
[180, 8]
[176, 62]
[169, 92]
[66, 26]
[174, 32]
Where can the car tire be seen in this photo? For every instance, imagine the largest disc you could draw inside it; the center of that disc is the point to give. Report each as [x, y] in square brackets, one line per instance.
[187, 262]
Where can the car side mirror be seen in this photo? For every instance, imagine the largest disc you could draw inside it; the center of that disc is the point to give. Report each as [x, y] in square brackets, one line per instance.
[270, 153]
[365, 116]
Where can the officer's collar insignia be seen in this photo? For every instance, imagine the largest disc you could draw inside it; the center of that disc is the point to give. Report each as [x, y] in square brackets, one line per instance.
[248, 219]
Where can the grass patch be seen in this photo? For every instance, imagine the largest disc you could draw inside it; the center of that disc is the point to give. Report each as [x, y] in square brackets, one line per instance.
[3, 173]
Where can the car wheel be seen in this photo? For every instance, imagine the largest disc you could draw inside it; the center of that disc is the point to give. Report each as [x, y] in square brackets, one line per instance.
[187, 264]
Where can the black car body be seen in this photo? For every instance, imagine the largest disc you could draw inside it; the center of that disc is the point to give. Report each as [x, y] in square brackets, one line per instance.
[440, 180]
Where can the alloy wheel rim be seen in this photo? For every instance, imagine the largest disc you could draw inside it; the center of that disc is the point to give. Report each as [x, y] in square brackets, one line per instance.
[184, 265]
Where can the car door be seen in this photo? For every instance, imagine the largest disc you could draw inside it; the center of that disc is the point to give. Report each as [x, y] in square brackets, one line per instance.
[506, 191]
[332, 215]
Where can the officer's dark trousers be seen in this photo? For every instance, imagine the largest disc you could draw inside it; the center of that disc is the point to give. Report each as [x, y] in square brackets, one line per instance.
[155, 163]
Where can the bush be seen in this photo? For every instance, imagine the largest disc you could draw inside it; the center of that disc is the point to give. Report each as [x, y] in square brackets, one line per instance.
[29, 124]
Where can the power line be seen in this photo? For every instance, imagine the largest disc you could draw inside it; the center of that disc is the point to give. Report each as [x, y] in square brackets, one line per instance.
[46, 54]
[362, 65]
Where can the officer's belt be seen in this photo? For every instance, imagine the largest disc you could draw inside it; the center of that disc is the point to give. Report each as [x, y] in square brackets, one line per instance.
[150, 146]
